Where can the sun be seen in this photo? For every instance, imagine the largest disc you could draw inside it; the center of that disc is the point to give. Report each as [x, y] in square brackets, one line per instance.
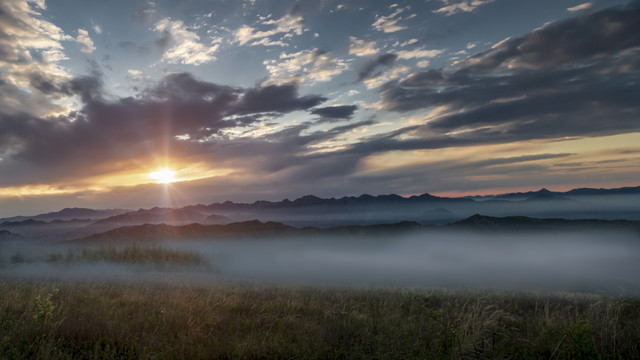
[163, 176]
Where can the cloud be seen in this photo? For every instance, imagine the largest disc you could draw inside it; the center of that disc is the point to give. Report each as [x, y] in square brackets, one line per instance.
[545, 84]
[367, 71]
[361, 47]
[580, 7]
[145, 12]
[288, 24]
[30, 51]
[97, 29]
[380, 79]
[389, 24]
[305, 66]
[181, 45]
[604, 33]
[103, 133]
[452, 7]
[335, 113]
[86, 44]
[418, 53]
[137, 75]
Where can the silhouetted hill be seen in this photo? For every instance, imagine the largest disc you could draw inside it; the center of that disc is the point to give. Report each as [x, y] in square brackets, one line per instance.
[8, 235]
[215, 219]
[257, 229]
[28, 222]
[154, 215]
[69, 214]
[158, 232]
[617, 191]
[311, 201]
[575, 192]
[522, 223]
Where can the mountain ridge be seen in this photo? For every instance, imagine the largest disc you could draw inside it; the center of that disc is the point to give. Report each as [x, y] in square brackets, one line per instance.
[256, 228]
[362, 201]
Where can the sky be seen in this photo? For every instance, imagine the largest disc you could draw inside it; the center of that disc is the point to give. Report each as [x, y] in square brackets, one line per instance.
[262, 99]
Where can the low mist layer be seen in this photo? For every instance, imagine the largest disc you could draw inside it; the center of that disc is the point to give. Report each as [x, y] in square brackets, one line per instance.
[573, 261]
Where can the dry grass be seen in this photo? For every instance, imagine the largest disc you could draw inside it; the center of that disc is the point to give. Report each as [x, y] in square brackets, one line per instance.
[43, 320]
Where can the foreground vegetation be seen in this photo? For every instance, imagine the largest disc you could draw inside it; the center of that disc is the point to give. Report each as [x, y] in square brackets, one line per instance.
[44, 320]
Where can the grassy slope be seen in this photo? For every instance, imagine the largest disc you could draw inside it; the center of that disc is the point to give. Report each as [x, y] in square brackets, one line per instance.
[120, 321]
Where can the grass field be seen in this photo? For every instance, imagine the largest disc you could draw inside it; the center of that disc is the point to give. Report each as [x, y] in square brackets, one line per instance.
[103, 320]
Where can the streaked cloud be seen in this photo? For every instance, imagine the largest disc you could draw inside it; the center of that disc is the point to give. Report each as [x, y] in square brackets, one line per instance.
[389, 23]
[451, 7]
[288, 24]
[368, 69]
[418, 53]
[540, 85]
[580, 7]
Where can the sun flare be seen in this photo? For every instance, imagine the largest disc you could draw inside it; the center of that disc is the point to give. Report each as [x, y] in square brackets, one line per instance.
[163, 176]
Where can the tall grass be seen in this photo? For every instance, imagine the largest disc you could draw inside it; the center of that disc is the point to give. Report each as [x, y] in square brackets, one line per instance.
[40, 320]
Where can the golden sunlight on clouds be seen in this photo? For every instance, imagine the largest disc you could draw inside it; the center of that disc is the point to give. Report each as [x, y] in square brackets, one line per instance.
[40, 190]
[584, 161]
[596, 149]
[163, 176]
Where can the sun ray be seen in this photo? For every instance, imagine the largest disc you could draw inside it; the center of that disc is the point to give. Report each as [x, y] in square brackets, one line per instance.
[163, 176]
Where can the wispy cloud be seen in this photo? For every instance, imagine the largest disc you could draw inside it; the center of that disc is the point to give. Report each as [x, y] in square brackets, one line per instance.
[288, 24]
[389, 24]
[580, 7]
[182, 45]
[362, 47]
[418, 53]
[86, 44]
[451, 7]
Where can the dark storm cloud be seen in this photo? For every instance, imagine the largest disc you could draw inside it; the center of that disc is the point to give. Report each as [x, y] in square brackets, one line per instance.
[576, 77]
[335, 113]
[281, 98]
[582, 38]
[367, 71]
[103, 132]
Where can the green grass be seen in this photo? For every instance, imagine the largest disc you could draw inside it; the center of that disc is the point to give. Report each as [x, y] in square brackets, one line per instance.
[44, 320]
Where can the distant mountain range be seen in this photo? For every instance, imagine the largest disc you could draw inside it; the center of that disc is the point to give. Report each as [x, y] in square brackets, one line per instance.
[312, 211]
[68, 214]
[195, 212]
[575, 192]
[257, 229]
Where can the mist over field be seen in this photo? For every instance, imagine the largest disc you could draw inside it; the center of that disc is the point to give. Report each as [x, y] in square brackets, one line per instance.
[564, 260]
